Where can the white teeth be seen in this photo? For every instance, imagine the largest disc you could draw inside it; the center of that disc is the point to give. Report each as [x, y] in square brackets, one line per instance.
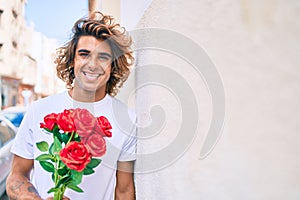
[91, 75]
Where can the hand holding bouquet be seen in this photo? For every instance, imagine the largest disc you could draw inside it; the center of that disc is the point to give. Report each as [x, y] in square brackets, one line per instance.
[78, 138]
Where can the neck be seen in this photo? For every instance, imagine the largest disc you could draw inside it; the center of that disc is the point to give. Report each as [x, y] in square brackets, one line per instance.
[86, 96]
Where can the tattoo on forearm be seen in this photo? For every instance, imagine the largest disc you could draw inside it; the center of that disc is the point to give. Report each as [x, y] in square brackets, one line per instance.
[16, 191]
[33, 190]
[17, 185]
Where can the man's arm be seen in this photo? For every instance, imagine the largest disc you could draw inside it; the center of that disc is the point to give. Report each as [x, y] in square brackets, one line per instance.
[18, 185]
[125, 189]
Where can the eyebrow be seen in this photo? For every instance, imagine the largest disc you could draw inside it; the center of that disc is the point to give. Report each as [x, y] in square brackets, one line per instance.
[101, 53]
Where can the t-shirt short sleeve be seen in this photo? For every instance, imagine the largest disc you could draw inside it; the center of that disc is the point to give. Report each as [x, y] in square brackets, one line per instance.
[128, 152]
[23, 142]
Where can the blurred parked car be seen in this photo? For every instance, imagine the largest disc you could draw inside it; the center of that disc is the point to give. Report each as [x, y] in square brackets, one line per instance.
[7, 134]
[14, 114]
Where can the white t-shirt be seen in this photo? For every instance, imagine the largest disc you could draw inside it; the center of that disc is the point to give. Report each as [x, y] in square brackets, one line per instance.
[120, 147]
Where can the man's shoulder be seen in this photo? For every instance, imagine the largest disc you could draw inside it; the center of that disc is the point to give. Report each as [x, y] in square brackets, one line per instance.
[120, 106]
[49, 101]
[56, 96]
[124, 116]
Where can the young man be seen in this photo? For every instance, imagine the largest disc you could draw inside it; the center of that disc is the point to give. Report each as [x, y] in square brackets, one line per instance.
[94, 64]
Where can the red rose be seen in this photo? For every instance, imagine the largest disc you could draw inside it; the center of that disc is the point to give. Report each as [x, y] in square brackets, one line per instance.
[105, 125]
[84, 122]
[96, 145]
[65, 121]
[49, 121]
[75, 155]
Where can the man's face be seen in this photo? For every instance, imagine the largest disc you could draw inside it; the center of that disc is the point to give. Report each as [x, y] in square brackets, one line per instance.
[92, 65]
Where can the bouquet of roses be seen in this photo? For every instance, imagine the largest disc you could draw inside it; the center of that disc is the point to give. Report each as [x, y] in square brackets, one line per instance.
[78, 138]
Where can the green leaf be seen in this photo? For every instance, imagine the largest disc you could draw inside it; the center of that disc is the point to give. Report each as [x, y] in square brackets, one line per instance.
[44, 157]
[55, 129]
[42, 146]
[63, 181]
[53, 177]
[74, 187]
[76, 176]
[51, 150]
[49, 167]
[61, 164]
[53, 158]
[53, 190]
[88, 171]
[57, 134]
[56, 145]
[62, 171]
[94, 163]
[64, 137]
[76, 138]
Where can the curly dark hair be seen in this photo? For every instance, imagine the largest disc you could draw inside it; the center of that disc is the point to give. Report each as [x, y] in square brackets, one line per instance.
[102, 27]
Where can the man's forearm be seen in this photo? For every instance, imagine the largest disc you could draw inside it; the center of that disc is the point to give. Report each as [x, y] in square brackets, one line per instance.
[125, 189]
[130, 195]
[125, 193]
[19, 187]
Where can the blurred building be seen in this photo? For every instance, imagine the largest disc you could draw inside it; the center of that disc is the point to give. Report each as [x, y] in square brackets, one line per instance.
[27, 71]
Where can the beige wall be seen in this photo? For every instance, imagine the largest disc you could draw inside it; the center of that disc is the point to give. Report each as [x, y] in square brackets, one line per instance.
[111, 8]
[255, 47]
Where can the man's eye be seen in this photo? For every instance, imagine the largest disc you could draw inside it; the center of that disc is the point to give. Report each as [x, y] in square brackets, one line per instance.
[103, 58]
[83, 54]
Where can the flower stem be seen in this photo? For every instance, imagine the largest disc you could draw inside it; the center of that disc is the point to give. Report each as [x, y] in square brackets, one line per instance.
[58, 195]
[72, 135]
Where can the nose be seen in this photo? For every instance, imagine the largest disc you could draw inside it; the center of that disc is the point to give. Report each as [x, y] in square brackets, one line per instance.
[94, 65]
[91, 62]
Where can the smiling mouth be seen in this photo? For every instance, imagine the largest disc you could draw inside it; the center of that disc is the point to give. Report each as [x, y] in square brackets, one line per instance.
[91, 75]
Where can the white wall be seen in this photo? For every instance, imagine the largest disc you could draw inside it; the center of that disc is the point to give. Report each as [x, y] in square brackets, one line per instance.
[255, 48]
[132, 11]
